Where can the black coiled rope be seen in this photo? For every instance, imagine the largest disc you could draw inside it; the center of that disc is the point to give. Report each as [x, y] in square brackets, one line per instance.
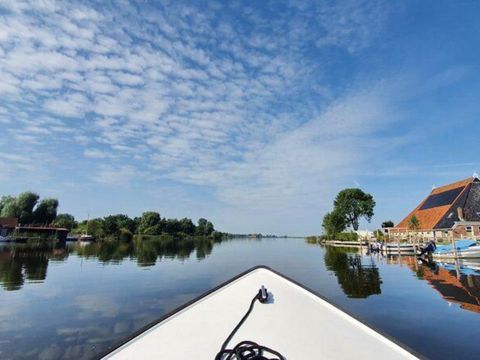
[247, 350]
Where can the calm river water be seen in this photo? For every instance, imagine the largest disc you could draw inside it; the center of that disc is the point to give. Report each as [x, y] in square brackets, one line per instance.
[74, 301]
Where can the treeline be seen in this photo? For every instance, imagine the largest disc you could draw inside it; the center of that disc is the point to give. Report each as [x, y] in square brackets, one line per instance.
[31, 211]
[150, 223]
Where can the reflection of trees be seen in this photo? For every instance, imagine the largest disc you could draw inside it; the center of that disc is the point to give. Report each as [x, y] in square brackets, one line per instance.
[20, 262]
[29, 261]
[356, 279]
[147, 250]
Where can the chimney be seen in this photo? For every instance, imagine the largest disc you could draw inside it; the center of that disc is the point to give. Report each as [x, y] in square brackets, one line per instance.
[460, 214]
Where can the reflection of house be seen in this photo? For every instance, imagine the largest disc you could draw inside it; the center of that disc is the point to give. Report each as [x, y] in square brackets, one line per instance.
[463, 290]
[454, 287]
[7, 225]
[449, 211]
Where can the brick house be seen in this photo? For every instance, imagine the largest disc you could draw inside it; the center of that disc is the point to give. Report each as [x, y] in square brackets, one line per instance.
[450, 211]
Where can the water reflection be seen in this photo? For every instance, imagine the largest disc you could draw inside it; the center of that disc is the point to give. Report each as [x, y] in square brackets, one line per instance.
[27, 262]
[21, 262]
[357, 279]
[457, 282]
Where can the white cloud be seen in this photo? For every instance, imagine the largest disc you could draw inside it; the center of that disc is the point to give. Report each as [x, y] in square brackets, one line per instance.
[186, 94]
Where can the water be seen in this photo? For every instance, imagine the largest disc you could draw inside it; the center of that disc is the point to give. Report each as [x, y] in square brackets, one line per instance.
[74, 301]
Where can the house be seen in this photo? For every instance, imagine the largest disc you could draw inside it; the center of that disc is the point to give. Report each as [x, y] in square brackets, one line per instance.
[7, 225]
[449, 211]
[365, 234]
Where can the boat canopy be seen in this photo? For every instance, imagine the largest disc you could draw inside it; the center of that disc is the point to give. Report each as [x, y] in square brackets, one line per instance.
[459, 244]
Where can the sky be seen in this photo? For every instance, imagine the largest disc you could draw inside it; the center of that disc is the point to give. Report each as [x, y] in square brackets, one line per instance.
[253, 114]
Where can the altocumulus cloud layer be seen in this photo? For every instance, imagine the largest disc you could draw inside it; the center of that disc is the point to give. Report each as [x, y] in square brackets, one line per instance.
[242, 101]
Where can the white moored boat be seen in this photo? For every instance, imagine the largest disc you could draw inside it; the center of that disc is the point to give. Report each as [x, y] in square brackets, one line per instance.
[465, 249]
[294, 322]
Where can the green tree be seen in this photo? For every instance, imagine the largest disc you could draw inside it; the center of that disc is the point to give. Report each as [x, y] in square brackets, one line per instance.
[387, 224]
[334, 223]
[172, 226]
[204, 227]
[113, 224]
[148, 219]
[9, 207]
[379, 235]
[46, 211]
[413, 223]
[66, 221]
[187, 226]
[26, 201]
[354, 204]
[94, 227]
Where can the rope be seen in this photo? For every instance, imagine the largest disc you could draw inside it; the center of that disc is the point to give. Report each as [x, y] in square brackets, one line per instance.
[246, 350]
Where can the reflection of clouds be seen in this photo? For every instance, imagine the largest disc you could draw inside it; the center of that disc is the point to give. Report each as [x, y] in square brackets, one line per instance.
[51, 352]
[93, 304]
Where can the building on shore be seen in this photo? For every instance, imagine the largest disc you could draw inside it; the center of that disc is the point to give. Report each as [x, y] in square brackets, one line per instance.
[448, 212]
[7, 225]
[365, 234]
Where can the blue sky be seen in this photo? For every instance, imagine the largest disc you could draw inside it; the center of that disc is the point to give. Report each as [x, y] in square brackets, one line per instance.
[252, 114]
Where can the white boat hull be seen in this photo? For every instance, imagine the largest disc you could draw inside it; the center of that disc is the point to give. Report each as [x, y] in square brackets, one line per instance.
[296, 322]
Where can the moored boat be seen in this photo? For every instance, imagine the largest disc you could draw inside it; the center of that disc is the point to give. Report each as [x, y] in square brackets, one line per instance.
[288, 321]
[5, 238]
[463, 249]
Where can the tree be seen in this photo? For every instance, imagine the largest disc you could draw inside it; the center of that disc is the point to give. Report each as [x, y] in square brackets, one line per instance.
[333, 223]
[95, 227]
[66, 221]
[413, 223]
[387, 224]
[26, 201]
[172, 226]
[354, 204]
[9, 207]
[148, 219]
[113, 224]
[187, 226]
[204, 227]
[46, 211]
[379, 235]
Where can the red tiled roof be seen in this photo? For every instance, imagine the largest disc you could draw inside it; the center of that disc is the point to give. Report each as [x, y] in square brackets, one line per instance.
[428, 218]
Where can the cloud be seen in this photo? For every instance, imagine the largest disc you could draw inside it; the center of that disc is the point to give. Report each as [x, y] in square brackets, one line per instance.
[235, 99]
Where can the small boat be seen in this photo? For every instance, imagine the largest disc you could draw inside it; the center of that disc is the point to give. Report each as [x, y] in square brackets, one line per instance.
[5, 238]
[463, 249]
[86, 237]
[288, 321]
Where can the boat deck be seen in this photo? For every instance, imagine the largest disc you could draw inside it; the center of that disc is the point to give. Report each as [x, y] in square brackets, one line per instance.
[296, 322]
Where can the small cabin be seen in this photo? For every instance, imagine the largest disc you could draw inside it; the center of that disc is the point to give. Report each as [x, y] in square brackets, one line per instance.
[7, 225]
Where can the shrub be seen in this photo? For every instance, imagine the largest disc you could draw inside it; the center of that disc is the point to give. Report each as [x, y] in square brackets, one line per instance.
[347, 236]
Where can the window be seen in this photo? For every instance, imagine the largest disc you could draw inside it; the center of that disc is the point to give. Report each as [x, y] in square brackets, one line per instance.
[468, 229]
